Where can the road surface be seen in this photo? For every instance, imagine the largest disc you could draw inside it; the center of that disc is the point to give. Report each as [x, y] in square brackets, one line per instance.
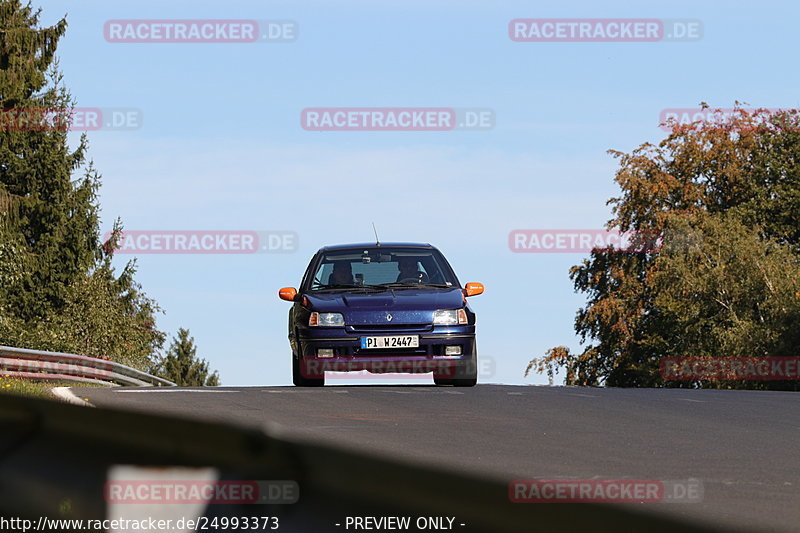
[741, 445]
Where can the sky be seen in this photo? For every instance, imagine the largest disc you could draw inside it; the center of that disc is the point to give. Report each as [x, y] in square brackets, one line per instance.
[213, 140]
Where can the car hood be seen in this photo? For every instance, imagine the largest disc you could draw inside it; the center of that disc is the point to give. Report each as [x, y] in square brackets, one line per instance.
[408, 306]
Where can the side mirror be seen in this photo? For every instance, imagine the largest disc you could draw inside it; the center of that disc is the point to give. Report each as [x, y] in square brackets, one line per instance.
[473, 289]
[287, 293]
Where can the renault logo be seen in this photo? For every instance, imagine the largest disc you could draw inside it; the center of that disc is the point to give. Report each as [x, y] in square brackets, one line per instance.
[388, 317]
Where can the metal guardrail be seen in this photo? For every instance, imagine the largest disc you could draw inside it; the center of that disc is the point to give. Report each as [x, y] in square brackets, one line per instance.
[37, 364]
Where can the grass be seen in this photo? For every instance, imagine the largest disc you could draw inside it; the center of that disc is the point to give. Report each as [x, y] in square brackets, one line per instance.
[34, 388]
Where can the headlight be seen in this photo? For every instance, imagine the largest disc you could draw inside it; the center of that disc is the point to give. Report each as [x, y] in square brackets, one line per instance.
[326, 319]
[444, 317]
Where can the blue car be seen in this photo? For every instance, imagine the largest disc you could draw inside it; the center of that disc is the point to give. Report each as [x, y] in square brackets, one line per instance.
[384, 308]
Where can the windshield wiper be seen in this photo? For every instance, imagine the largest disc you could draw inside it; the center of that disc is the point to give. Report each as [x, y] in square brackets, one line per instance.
[414, 285]
[344, 287]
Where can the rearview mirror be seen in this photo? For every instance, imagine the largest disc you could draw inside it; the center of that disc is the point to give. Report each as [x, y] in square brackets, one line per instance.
[473, 289]
[287, 293]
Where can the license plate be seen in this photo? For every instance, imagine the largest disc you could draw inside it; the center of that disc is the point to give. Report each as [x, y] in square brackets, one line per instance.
[393, 341]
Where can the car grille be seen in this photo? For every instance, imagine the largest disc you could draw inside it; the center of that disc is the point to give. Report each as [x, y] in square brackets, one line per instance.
[391, 328]
[394, 352]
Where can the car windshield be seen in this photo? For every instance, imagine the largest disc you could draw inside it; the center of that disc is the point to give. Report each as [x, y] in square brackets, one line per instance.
[382, 268]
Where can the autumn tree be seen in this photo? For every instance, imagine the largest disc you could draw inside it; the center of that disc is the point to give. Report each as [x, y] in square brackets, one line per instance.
[725, 197]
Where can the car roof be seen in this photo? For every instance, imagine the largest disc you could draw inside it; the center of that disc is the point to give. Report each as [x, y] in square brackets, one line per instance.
[376, 245]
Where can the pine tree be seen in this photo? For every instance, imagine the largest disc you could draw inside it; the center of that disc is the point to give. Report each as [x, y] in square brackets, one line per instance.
[182, 366]
[57, 217]
[58, 290]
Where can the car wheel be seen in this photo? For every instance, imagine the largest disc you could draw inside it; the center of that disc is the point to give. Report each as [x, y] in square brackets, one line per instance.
[300, 380]
[464, 376]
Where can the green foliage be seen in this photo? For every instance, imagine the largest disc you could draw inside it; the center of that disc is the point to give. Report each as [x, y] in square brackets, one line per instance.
[58, 290]
[181, 365]
[726, 200]
[57, 217]
[728, 292]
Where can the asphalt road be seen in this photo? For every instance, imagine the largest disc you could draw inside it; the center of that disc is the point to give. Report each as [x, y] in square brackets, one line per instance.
[742, 445]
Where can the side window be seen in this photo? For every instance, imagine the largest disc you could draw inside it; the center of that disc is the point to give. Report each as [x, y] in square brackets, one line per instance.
[323, 274]
[309, 273]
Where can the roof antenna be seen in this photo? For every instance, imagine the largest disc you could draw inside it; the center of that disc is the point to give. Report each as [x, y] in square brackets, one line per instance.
[377, 242]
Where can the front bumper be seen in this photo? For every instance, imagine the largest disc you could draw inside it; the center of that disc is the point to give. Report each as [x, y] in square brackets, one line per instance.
[348, 356]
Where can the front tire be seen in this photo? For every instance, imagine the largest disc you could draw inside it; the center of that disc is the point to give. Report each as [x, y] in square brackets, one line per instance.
[466, 376]
[300, 380]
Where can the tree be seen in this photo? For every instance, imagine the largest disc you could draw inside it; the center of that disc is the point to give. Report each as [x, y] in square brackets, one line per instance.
[11, 262]
[59, 290]
[182, 366]
[726, 200]
[57, 217]
[728, 292]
